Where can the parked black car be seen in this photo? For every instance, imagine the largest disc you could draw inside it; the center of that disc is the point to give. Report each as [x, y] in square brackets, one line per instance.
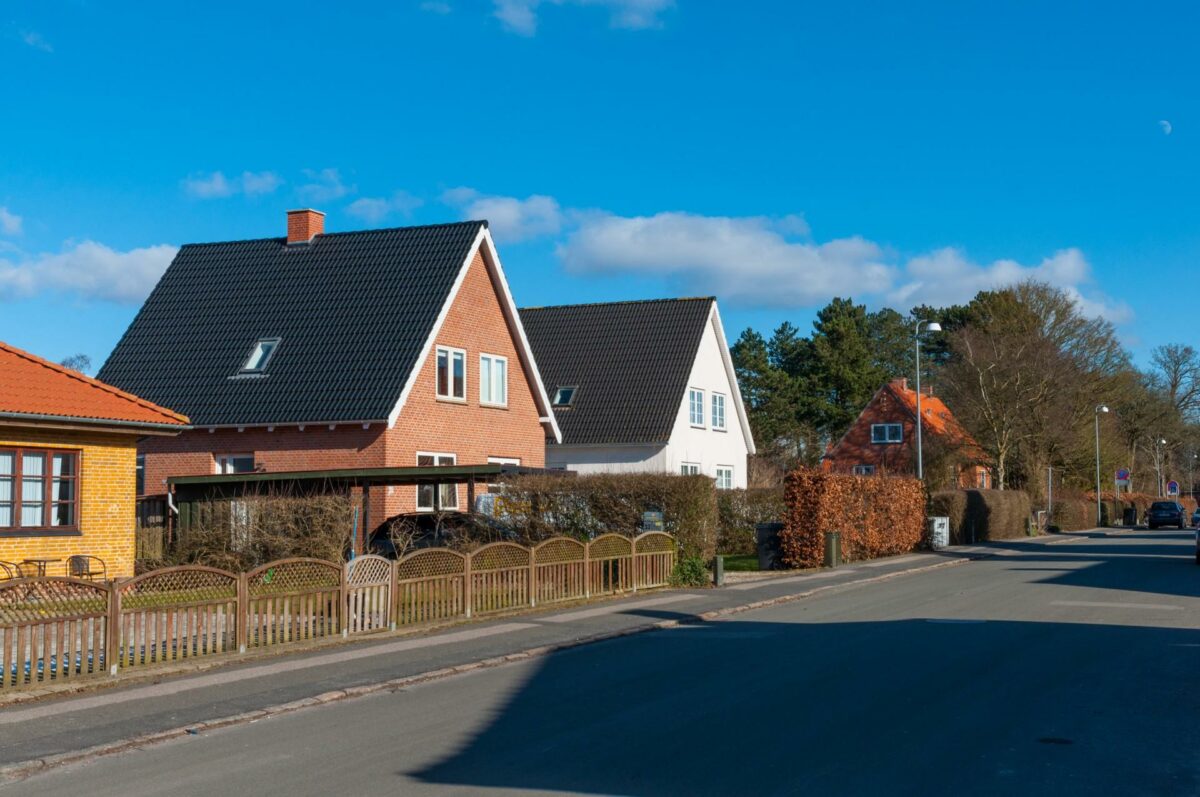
[1166, 513]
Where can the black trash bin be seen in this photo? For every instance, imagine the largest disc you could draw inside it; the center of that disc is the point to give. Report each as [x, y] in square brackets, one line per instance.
[1129, 516]
[766, 538]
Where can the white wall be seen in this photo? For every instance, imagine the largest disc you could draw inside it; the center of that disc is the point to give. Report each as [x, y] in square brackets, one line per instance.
[606, 459]
[707, 446]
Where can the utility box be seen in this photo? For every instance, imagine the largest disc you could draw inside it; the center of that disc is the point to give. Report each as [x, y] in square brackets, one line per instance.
[939, 533]
[833, 549]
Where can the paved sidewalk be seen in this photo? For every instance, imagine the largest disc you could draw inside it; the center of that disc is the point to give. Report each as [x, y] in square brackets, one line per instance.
[60, 725]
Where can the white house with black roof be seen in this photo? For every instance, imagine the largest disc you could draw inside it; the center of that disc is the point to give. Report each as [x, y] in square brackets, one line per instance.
[643, 386]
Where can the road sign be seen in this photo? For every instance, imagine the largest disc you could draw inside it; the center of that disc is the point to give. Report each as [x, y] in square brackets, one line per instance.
[1172, 488]
[1123, 477]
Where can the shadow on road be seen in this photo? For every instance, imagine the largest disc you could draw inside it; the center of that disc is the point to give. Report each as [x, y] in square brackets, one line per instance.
[905, 707]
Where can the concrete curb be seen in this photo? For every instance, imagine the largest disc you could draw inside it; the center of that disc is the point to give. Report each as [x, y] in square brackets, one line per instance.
[23, 769]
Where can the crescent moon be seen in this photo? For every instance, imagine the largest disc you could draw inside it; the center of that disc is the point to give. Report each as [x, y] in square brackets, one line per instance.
[1166, 126]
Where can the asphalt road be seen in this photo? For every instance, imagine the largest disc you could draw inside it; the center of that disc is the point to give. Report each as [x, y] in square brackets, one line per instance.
[1065, 669]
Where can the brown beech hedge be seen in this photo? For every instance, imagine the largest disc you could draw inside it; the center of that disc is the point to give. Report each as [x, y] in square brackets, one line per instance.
[877, 515]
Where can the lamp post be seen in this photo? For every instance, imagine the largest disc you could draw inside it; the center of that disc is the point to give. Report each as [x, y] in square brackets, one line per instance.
[1158, 463]
[930, 326]
[1099, 514]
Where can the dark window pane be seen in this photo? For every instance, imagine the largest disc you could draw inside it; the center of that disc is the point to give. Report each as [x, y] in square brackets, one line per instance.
[443, 373]
[460, 376]
[62, 515]
[425, 496]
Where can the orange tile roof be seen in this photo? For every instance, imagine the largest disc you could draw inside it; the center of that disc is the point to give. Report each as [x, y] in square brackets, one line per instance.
[937, 417]
[32, 386]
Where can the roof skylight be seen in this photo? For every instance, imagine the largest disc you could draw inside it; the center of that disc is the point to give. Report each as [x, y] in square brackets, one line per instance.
[260, 355]
[564, 396]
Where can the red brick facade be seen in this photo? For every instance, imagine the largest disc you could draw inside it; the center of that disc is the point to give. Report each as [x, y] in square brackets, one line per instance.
[471, 431]
[944, 440]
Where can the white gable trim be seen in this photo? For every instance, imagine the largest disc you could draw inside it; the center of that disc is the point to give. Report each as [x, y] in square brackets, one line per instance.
[492, 262]
[731, 373]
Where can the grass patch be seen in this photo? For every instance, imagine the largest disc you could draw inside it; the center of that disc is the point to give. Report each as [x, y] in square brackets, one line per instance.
[741, 563]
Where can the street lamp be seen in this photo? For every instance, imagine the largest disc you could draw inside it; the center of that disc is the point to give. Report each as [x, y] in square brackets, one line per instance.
[1158, 464]
[930, 326]
[1099, 514]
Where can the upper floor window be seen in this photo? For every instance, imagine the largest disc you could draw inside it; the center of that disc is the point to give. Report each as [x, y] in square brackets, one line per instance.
[493, 380]
[718, 411]
[235, 463]
[887, 433]
[864, 470]
[696, 407]
[38, 489]
[724, 477]
[260, 355]
[451, 373]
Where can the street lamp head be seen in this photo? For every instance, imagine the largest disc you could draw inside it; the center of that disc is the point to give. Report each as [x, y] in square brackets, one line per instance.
[1102, 408]
[933, 326]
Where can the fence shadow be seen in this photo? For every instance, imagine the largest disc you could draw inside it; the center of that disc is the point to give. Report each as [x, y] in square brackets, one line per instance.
[904, 707]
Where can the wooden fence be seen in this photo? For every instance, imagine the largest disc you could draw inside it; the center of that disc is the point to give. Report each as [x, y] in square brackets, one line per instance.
[63, 629]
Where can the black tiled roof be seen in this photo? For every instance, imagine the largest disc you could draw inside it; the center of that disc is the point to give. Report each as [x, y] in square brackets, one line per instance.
[630, 360]
[351, 310]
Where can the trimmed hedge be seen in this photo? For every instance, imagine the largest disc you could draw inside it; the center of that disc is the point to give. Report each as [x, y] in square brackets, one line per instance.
[978, 515]
[540, 507]
[1076, 513]
[877, 516]
[740, 511]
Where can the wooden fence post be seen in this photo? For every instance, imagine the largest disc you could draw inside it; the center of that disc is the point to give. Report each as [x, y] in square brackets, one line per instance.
[242, 627]
[468, 591]
[393, 595]
[343, 618]
[112, 641]
[587, 569]
[532, 578]
[633, 561]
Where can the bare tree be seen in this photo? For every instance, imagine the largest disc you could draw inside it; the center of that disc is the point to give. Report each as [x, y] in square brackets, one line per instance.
[78, 362]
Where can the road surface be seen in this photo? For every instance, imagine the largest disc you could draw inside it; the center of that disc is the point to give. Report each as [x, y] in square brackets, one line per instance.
[1053, 669]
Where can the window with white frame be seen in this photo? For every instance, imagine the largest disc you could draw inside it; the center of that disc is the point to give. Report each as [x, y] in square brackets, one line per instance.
[887, 433]
[493, 380]
[864, 470]
[451, 374]
[260, 355]
[235, 463]
[724, 477]
[432, 497]
[718, 412]
[696, 407]
[690, 468]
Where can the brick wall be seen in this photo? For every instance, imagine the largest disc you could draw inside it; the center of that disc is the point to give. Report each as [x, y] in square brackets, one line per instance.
[106, 500]
[856, 448]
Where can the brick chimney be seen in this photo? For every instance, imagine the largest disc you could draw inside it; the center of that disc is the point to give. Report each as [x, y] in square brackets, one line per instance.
[304, 225]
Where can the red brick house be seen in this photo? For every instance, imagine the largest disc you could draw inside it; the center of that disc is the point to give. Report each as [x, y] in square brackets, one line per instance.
[380, 348]
[883, 440]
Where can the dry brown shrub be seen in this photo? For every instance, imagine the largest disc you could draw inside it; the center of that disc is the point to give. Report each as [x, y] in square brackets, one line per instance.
[877, 515]
[979, 515]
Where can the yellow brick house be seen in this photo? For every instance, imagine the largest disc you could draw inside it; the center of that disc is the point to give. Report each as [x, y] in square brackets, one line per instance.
[68, 468]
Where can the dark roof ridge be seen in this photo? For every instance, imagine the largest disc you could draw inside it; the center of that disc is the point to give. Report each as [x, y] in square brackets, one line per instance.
[623, 302]
[283, 238]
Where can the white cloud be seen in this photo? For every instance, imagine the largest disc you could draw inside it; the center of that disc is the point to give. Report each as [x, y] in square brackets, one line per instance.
[510, 219]
[376, 209]
[325, 185]
[750, 260]
[1165, 126]
[36, 41]
[520, 16]
[216, 185]
[10, 223]
[90, 270]
[435, 7]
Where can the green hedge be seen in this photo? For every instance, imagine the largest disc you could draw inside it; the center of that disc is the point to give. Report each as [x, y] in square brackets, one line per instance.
[539, 507]
[740, 511]
[978, 515]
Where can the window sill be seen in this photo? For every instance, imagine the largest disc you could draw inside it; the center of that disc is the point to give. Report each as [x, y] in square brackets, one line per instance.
[490, 405]
[451, 400]
[45, 532]
[721, 429]
[699, 426]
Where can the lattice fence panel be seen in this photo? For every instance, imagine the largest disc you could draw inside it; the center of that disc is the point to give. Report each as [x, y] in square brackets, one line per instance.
[369, 594]
[293, 600]
[499, 556]
[177, 613]
[655, 559]
[500, 578]
[52, 629]
[560, 571]
[610, 546]
[610, 565]
[430, 563]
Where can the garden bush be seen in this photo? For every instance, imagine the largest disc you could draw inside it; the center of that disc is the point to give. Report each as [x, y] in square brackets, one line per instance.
[739, 511]
[979, 515]
[877, 515]
[543, 506]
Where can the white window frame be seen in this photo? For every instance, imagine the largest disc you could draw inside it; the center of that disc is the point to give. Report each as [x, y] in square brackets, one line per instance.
[864, 470]
[689, 468]
[885, 439]
[726, 470]
[222, 463]
[718, 398]
[450, 353]
[692, 393]
[487, 400]
[265, 358]
[438, 504]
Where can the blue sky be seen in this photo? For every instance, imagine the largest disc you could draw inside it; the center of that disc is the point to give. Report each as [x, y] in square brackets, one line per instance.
[776, 154]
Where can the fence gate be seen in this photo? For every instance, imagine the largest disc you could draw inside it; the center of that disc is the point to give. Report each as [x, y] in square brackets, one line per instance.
[368, 594]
